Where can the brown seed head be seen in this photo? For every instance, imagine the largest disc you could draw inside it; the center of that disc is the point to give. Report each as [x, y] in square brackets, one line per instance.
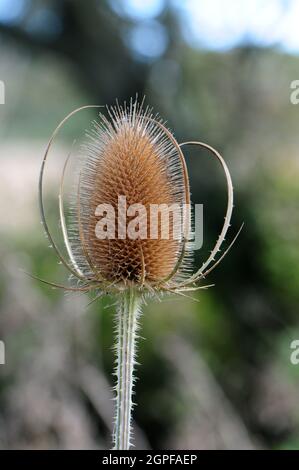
[131, 155]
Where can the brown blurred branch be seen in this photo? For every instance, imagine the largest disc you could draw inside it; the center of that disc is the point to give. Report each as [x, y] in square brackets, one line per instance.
[210, 421]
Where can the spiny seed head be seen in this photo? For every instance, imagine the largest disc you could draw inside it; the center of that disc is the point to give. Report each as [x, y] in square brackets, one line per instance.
[131, 163]
[130, 156]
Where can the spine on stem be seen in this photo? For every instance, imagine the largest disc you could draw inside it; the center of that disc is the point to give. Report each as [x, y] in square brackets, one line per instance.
[127, 324]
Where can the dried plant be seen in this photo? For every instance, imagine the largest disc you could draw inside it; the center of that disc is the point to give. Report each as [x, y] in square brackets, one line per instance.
[130, 153]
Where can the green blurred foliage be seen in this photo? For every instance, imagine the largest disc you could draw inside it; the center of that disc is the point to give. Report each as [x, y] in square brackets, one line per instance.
[242, 328]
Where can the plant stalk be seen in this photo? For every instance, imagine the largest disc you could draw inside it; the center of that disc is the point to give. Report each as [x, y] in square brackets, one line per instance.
[127, 325]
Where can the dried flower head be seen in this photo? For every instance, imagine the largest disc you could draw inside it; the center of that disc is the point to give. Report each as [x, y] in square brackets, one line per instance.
[130, 159]
[130, 233]
[133, 158]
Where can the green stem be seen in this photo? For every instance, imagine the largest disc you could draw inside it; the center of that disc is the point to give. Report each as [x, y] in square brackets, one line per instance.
[127, 324]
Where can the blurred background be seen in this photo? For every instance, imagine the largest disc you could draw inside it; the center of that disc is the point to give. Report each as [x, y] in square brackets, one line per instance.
[214, 374]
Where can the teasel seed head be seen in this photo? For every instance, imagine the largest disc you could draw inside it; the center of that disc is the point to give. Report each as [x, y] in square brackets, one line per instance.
[130, 155]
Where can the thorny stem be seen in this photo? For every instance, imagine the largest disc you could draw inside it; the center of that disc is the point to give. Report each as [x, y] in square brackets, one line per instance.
[127, 324]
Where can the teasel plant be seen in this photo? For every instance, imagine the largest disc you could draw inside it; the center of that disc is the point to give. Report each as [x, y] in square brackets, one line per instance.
[129, 152]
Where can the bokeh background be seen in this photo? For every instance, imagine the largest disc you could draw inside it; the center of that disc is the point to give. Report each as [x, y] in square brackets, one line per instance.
[214, 374]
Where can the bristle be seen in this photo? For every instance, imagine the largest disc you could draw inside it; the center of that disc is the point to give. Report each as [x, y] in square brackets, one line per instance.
[128, 154]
